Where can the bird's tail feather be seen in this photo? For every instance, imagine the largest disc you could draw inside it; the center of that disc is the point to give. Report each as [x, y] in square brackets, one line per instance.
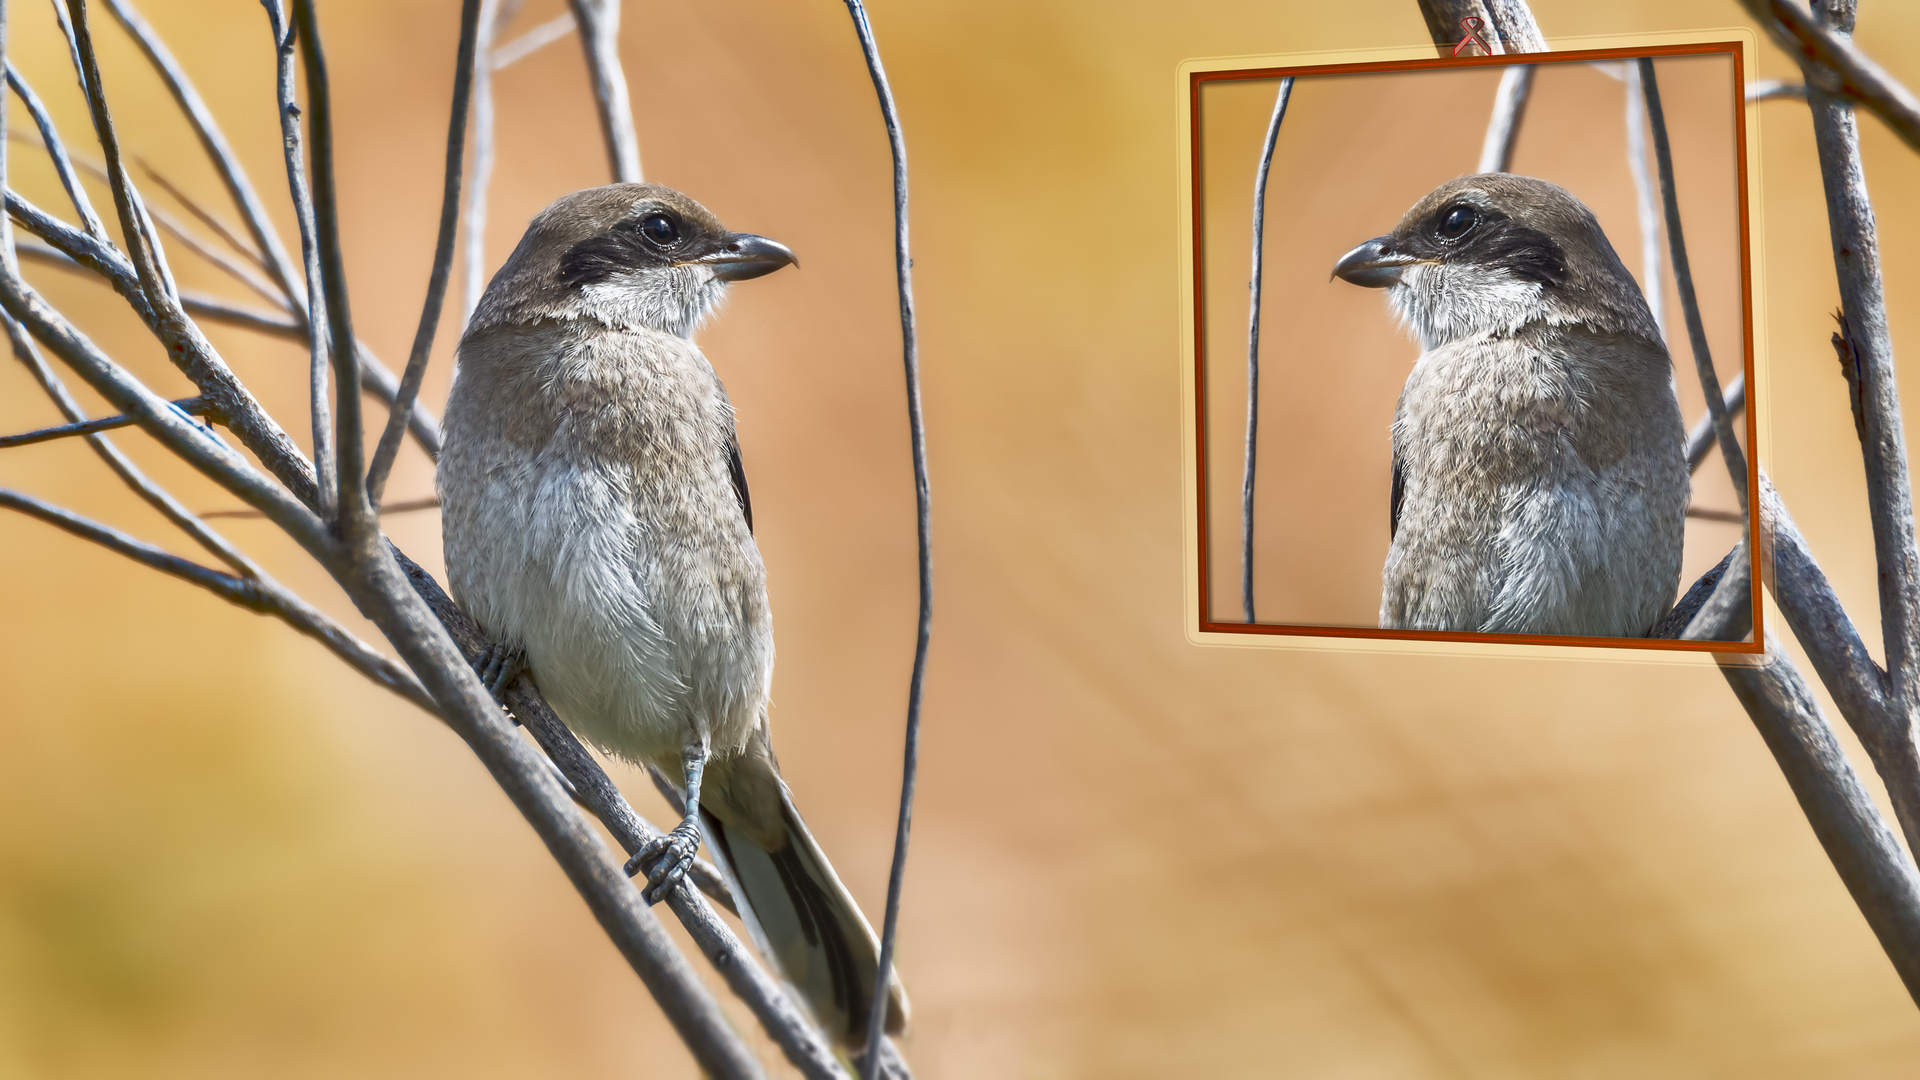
[802, 918]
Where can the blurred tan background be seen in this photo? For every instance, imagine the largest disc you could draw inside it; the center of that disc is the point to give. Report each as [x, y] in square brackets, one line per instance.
[226, 856]
[1333, 355]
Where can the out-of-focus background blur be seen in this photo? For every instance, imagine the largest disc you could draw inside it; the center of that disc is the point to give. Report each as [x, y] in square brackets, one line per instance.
[226, 856]
[1333, 355]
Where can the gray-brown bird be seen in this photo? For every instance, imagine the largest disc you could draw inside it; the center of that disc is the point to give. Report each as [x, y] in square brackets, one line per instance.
[596, 518]
[1539, 470]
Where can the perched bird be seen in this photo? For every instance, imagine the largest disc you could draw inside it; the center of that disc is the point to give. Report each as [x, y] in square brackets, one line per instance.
[1539, 470]
[596, 519]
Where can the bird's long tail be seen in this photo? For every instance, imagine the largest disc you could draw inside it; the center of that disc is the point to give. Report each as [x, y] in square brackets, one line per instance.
[795, 907]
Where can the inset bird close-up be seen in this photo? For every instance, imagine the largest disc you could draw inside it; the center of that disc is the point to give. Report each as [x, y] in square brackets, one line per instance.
[597, 520]
[1540, 479]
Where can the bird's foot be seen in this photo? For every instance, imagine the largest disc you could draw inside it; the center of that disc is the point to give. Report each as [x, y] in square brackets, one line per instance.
[498, 667]
[671, 855]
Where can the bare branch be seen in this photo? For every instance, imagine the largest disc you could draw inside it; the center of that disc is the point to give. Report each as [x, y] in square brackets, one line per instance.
[239, 188]
[319, 343]
[1703, 435]
[1251, 453]
[212, 221]
[217, 310]
[193, 406]
[1727, 614]
[923, 499]
[136, 230]
[62, 164]
[474, 229]
[1683, 278]
[1856, 260]
[1836, 66]
[1646, 204]
[1776, 90]
[1503, 130]
[1506, 24]
[599, 22]
[532, 41]
[1877, 873]
[254, 594]
[355, 515]
[416, 370]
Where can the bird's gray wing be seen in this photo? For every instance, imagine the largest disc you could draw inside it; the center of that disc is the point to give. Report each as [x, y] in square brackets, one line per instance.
[739, 474]
[1399, 492]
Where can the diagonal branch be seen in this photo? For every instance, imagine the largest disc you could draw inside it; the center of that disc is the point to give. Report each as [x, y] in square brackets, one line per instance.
[259, 225]
[193, 406]
[599, 22]
[62, 164]
[254, 594]
[1876, 872]
[1836, 66]
[416, 369]
[1683, 279]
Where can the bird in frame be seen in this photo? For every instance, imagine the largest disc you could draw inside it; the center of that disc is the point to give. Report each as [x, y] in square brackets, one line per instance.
[1540, 480]
[598, 528]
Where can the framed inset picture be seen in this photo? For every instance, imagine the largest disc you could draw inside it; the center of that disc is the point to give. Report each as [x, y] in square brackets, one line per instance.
[1452, 325]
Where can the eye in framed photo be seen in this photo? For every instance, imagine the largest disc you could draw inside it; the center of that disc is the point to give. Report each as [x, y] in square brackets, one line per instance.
[1477, 413]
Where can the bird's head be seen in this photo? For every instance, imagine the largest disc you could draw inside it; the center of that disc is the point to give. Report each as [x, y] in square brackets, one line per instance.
[1491, 253]
[627, 256]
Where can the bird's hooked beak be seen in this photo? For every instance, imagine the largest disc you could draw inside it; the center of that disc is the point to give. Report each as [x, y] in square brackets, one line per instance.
[1374, 264]
[745, 256]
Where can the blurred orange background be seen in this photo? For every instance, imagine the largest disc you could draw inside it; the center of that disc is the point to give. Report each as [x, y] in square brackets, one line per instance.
[1355, 152]
[225, 855]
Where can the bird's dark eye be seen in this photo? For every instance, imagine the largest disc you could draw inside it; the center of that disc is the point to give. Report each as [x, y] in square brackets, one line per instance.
[660, 229]
[1457, 222]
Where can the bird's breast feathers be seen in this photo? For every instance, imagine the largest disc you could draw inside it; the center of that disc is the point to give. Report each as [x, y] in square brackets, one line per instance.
[613, 546]
[1544, 488]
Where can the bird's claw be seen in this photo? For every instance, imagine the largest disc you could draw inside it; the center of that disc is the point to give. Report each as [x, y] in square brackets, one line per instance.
[671, 856]
[498, 667]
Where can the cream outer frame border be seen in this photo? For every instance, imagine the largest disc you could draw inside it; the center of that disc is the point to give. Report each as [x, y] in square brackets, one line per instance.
[1758, 392]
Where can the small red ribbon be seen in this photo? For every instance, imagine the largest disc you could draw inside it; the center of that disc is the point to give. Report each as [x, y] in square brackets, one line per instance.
[1470, 27]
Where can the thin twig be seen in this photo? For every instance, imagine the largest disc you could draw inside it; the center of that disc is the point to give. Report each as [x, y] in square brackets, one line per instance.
[1727, 614]
[1689, 303]
[1646, 204]
[599, 22]
[1253, 344]
[416, 369]
[1509, 107]
[207, 130]
[407, 506]
[532, 41]
[62, 164]
[212, 221]
[1776, 90]
[170, 224]
[254, 594]
[193, 406]
[320, 413]
[473, 229]
[136, 231]
[1831, 58]
[1702, 436]
[355, 515]
[923, 499]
